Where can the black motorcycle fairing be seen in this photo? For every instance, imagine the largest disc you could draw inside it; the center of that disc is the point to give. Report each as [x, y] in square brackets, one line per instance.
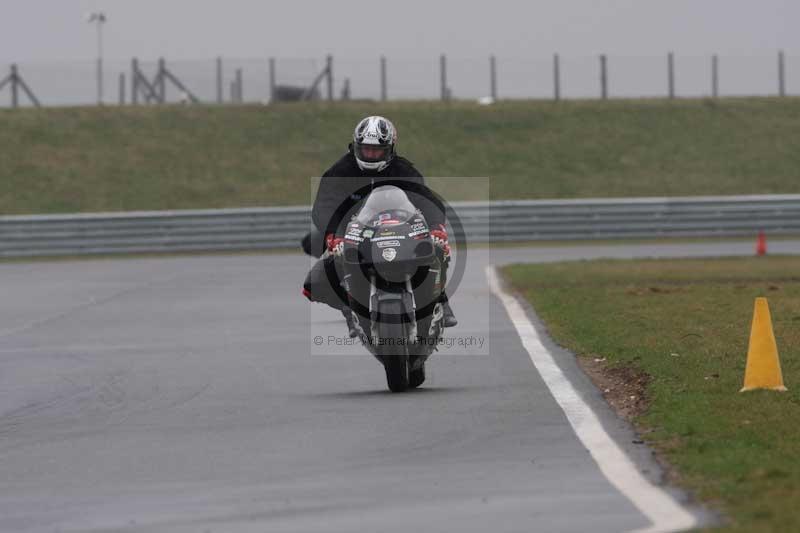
[388, 255]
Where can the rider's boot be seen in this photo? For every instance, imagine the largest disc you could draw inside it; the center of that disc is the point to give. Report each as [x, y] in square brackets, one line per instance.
[351, 323]
[449, 318]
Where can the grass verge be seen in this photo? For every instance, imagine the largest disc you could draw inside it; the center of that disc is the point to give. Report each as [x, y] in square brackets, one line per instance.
[682, 327]
[141, 158]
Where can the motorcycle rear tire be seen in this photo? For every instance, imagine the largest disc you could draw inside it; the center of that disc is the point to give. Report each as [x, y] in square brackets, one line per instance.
[416, 377]
[395, 352]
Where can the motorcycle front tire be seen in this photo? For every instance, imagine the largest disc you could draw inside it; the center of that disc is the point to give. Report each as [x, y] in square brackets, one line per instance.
[395, 349]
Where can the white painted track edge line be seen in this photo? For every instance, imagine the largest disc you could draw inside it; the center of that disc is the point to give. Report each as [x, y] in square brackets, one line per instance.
[658, 506]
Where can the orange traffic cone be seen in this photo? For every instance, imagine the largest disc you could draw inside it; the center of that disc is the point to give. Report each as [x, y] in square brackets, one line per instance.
[763, 369]
[761, 244]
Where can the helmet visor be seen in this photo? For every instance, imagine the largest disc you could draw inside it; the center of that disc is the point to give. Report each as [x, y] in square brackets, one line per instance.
[372, 153]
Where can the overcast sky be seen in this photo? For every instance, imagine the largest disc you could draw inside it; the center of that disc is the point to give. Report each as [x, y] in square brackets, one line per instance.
[55, 30]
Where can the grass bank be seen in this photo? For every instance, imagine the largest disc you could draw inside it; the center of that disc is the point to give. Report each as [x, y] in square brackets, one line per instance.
[684, 325]
[99, 159]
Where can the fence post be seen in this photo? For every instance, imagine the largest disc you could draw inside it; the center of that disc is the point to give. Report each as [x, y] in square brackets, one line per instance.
[272, 82]
[443, 76]
[714, 76]
[99, 77]
[14, 86]
[162, 81]
[781, 74]
[384, 89]
[671, 74]
[556, 78]
[239, 86]
[121, 88]
[135, 81]
[492, 77]
[219, 80]
[346, 90]
[329, 68]
[603, 76]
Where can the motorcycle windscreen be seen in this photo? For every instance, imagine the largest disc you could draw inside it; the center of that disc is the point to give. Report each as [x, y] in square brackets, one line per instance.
[386, 206]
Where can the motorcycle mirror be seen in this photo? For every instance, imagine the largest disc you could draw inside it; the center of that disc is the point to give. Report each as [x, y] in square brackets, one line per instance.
[313, 243]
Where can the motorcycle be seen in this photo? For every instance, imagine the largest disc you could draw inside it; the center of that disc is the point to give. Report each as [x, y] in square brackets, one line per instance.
[394, 276]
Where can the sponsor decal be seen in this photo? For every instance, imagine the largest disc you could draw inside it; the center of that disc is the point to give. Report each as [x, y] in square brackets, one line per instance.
[389, 254]
[416, 233]
[384, 244]
[418, 226]
[354, 238]
[384, 237]
[368, 233]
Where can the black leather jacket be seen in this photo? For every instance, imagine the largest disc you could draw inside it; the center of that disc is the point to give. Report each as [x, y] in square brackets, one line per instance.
[344, 185]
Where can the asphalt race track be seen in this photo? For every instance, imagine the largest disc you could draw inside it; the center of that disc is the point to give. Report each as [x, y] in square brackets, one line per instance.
[187, 394]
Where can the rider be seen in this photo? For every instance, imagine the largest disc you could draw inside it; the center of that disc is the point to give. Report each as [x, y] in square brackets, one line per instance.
[370, 160]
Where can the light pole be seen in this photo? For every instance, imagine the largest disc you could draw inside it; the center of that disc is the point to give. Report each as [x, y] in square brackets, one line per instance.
[99, 18]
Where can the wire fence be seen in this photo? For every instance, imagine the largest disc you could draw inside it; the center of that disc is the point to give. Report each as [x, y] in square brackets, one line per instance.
[253, 80]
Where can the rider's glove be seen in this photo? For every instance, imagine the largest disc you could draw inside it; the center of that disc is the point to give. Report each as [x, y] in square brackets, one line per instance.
[334, 244]
[439, 237]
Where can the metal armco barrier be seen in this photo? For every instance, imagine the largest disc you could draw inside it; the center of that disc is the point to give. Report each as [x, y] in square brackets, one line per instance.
[499, 221]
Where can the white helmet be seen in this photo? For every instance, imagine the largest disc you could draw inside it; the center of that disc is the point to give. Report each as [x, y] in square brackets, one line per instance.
[373, 143]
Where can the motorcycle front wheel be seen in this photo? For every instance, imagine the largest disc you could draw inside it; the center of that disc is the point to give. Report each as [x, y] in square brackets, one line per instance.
[392, 331]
